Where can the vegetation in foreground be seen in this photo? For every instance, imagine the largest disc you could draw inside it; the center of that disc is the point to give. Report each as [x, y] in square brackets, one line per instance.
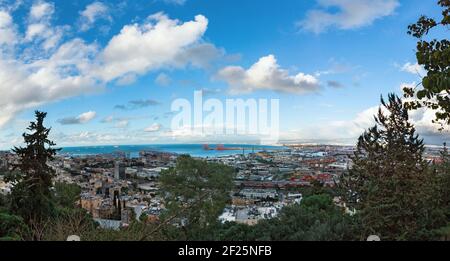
[394, 192]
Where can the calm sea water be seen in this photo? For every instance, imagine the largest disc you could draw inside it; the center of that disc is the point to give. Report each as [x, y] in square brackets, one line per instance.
[195, 150]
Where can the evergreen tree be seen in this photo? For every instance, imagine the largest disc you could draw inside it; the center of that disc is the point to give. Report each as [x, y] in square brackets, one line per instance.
[11, 227]
[66, 195]
[31, 196]
[443, 174]
[389, 185]
[442, 171]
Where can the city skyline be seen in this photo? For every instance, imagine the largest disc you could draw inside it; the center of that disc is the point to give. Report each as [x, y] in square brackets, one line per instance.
[107, 72]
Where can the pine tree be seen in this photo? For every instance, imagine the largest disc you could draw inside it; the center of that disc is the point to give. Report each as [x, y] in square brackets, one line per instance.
[443, 174]
[31, 196]
[389, 185]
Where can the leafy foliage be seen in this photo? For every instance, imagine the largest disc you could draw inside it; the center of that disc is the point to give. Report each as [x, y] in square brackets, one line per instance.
[434, 55]
[317, 218]
[11, 227]
[66, 195]
[196, 193]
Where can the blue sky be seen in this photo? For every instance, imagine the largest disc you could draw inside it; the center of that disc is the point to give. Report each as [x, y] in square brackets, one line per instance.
[107, 72]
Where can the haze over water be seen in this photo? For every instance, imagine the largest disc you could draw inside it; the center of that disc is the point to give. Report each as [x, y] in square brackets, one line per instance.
[195, 150]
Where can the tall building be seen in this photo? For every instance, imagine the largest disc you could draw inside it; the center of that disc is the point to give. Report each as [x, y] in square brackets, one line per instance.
[119, 170]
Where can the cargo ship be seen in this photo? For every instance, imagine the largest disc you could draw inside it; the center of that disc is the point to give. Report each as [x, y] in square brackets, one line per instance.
[219, 147]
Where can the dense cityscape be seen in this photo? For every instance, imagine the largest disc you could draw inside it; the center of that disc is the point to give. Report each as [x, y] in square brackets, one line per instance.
[265, 181]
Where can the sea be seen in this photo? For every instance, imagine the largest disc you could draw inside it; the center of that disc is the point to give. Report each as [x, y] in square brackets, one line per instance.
[195, 150]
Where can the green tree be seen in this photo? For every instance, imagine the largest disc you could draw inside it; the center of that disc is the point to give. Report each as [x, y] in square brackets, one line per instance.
[390, 186]
[11, 227]
[442, 170]
[66, 195]
[196, 193]
[69, 221]
[434, 55]
[31, 197]
[317, 218]
[231, 231]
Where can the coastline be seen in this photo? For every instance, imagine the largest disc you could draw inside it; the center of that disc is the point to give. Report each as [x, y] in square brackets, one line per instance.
[195, 150]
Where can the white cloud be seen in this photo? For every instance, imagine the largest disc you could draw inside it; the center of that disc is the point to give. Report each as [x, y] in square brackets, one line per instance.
[11, 5]
[39, 29]
[7, 31]
[153, 128]
[415, 69]
[266, 74]
[87, 116]
[80, 119]
[351, 14]
[47, 68]
[407, 85]
[116, 137]
[152, 45]
[423, 120]
[92, 13]
[347, 131]
[27, 85]
[340, 130]
[41, 10]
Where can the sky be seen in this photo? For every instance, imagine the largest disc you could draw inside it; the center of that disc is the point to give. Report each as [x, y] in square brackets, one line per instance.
[107, 72]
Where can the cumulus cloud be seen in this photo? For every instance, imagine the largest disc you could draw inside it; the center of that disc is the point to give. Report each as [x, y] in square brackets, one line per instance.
[39, 30]
[7, 31]
[80, 119]
[92, 13]
[39, 65]
[158, 43]
[153, 128]
[415, 68]
[26, 85]
[351, 14]
[40, 10]
[266, 74]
